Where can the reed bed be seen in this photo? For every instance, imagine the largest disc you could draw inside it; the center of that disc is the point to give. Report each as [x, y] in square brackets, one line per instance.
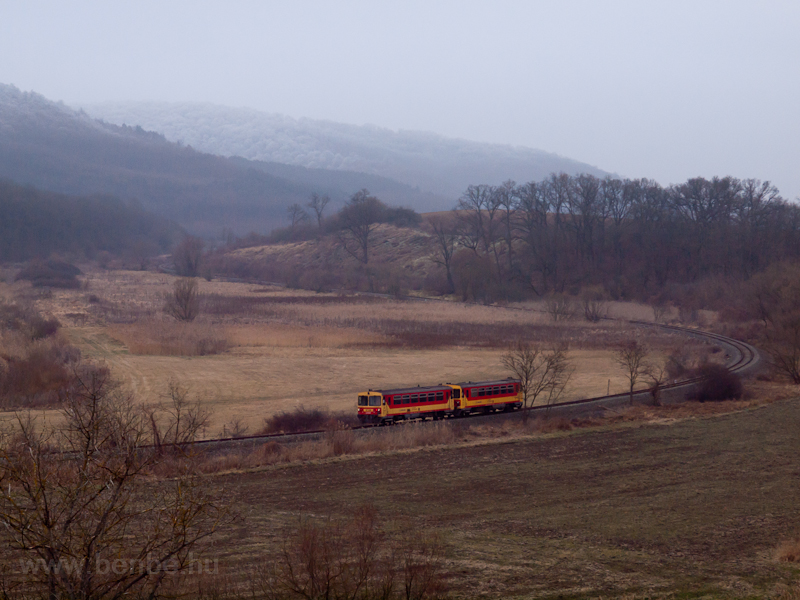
[172, 338]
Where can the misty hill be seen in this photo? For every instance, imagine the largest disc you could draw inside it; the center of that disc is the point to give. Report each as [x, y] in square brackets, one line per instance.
[55, 148]
[36, 224]
[430, 162]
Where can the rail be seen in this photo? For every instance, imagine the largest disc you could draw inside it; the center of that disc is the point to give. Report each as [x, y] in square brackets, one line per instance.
[743, 359]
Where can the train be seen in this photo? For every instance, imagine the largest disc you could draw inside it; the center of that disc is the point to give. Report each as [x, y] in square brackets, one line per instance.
[444, 401]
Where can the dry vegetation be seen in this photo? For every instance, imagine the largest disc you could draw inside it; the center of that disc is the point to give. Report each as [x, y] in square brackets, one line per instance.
[646, 501]
[255, 351]
[669, 502]
[339, 440]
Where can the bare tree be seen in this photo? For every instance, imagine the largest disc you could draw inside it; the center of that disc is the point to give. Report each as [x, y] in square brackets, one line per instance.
[296, 215]
[660, 310]
[540, 372]
[318, 204]
[781, 340]
[657, 375]
[180, 421]
[353, 560]
[631, 357]
[560, 307]
[80, 507]
[183, 303]
[188, 256]
[358, 219]
[445, 233]
[594, 304]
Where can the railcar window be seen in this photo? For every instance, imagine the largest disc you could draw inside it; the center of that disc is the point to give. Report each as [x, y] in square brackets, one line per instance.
[504, 389]
[362, 401]
[481, 392]
[374, 400]
[456, 393]
[496, 390]
[406, 399]
[440, 396]
[432, 397]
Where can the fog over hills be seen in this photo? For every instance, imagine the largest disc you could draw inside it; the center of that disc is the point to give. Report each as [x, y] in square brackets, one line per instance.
[431, 162]
[55, 148]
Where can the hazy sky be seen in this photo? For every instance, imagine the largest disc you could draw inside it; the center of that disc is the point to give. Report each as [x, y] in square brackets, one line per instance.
[667, 90]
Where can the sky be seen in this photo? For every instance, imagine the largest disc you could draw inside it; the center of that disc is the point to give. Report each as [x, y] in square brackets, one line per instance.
[660, 89]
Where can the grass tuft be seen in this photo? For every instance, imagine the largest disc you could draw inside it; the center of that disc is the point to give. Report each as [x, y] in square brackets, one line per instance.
[788, 551]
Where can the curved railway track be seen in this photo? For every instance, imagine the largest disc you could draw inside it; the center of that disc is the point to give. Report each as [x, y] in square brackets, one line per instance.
[742, 358]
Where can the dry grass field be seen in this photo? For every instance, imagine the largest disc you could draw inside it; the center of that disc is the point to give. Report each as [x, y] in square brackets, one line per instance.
[689, 501]
[257, 350]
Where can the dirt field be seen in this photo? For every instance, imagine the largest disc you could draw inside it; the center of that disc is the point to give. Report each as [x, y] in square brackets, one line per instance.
[277, 349]
[695, 509]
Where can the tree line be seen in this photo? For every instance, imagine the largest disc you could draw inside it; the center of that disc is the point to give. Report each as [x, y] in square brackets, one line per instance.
[631, 236]
[36, 223]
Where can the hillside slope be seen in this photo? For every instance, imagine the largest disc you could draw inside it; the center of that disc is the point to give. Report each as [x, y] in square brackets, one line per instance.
[55, 148]
[433, 163]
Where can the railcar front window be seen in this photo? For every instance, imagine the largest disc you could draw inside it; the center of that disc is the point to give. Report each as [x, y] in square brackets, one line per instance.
[362, 401]
[374, 400]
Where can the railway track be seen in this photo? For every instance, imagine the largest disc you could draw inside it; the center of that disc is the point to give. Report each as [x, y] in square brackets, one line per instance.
[742, 358]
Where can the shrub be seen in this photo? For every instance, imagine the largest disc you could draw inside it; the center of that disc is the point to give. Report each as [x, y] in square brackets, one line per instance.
[354, 558]
[51, 273]
[300, 419]
[183, 303]
[788, 551]
[28, 321]
[717, 383]
[40, 376]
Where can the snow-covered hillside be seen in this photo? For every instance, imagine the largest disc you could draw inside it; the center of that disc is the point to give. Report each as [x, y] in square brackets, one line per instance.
[434, 163]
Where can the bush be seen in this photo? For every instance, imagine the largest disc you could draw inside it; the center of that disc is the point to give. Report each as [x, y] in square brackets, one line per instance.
[183, 304]
[354, 558]
[788, 551]
[717, 383]
[40, 376]
[300, 419]
[28, 321]
[51, 273]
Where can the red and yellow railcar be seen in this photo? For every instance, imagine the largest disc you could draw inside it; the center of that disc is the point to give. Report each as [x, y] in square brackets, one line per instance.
[474, 397]
[382, 407]
[388, 406]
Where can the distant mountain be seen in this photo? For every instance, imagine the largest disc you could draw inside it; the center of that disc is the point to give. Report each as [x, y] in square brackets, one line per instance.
[56, 148]
[430, 162]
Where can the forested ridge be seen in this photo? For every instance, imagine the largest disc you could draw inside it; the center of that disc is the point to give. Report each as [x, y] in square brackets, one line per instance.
[36, 223]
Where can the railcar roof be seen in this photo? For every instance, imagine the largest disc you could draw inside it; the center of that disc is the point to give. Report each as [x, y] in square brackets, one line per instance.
[471, 384]
[414, 390]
